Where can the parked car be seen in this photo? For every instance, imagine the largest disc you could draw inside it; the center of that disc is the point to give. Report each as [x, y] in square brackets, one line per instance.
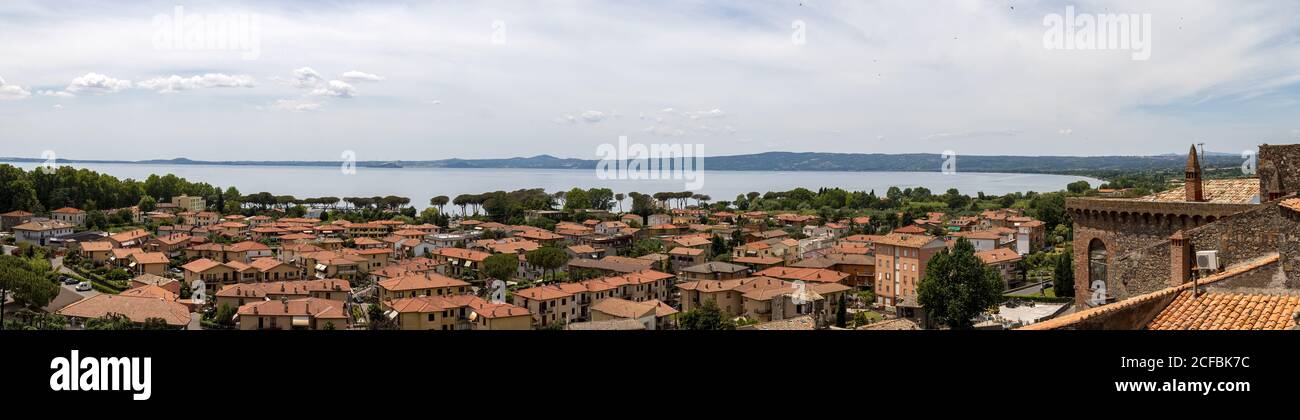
[69, 280]
[84, 286]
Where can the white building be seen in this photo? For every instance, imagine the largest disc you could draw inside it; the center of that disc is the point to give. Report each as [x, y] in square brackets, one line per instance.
[38, 232]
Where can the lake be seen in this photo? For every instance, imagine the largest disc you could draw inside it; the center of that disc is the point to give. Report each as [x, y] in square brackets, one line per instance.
[421, 184]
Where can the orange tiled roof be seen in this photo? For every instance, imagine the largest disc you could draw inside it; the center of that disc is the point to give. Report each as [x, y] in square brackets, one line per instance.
[1224, 191]
[1084, 315]
[1227, 311]
[997, 256]
[137, 308]
[96, 246]
[420, 282]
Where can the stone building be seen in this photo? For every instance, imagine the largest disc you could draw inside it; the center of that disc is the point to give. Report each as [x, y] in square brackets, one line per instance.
[1142, 252]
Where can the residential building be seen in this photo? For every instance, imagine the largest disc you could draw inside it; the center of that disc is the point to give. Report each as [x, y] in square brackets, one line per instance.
[39, 232]
[900, 266]
[76, 217]
[136, 308]
[296, 314]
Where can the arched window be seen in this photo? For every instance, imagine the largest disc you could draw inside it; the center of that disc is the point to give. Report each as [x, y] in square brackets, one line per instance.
[1098, 258]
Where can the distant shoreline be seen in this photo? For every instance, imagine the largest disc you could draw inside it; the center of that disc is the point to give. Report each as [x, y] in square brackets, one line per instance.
[766, 162]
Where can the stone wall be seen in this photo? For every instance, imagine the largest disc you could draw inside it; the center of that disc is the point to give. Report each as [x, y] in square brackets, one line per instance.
[1279, 166]
[1138, 248]
[1142, 271]
[1253, 234]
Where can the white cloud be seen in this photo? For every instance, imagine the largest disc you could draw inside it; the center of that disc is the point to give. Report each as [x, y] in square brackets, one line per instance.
[973, 134]
[176, 83]
[565, 119]
[10, 92]
[305, 77]
[97, 83]
[1065, 131]
[357, 76]
[57, 93]
[593, 116]
[335, 88]
[712, 113]
[296, 105]
[58, 107]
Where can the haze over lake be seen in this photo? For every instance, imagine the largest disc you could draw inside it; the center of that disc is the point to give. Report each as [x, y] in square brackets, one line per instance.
[421, 184]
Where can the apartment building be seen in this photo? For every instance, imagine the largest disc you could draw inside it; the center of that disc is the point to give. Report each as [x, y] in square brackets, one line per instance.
[900, 266]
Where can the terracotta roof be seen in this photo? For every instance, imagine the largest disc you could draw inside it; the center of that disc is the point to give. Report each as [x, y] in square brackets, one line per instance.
[1223, 191]
[757, 260]
[248, 246]
[314, 307]
[582, 249]
[623, 308]
[1077, 317]
[621, 324]
[150, 258]
[1293, 204]
[295, 287]
[17, 213]
[806, 274]
[1226, 310]
[152, 291]
[137, 308]
[461, 253]
[802, 323]
[129, 235]
[906, 240]
[686, 251]
[96, 246]
[715, 267]
[497, 310]
[543, 293]
[420, 282]
[44, 225]
[68, 210]
[200, 265]
[997, 256]
[661, 309]
[152, 279]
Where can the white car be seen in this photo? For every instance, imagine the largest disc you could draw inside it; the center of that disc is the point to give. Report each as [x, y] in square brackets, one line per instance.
[84, 287]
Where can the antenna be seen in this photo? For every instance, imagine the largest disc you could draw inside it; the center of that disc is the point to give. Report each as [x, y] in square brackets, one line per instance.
[1202, 146]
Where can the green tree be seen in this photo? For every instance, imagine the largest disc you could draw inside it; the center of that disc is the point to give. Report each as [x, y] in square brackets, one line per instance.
[706, 317]
[547, 258]
[27, 281]
[1078, 187]
[958, 286]
[1063, 275]
[155, 324]
[501, 266]
[112, 321]
[577, 199]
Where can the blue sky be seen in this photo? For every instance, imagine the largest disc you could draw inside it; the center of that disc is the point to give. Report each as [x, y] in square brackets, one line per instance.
[434, 80]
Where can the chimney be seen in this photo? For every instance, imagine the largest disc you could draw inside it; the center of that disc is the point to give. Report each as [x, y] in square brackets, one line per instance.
[1193, 187]
[1180, 258]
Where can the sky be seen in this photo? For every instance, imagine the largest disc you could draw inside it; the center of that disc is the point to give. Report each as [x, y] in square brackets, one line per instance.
[312, 80]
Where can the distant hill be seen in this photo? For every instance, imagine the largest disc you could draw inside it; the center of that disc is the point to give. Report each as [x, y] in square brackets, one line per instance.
[783, 161]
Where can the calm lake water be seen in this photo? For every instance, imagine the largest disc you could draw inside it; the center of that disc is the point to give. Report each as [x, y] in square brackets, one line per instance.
[421, 184]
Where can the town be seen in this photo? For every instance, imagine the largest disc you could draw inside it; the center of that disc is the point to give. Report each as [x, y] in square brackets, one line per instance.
[528, 259]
